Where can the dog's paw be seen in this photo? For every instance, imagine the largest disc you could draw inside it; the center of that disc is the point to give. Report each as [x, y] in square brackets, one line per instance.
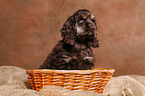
[68, 58]
[91, 59]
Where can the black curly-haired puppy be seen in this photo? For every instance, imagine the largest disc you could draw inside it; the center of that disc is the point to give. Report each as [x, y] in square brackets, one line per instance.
[74, 51]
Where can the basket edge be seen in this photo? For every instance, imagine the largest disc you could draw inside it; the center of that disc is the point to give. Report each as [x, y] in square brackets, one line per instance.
[71, 71]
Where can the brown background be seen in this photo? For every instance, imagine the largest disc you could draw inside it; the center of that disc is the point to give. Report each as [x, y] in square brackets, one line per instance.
[29, 29]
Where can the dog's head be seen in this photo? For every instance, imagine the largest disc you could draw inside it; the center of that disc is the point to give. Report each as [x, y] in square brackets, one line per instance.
[81, 27]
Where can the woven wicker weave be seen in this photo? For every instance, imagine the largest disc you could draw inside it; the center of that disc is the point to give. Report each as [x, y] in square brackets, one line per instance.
[86, 80]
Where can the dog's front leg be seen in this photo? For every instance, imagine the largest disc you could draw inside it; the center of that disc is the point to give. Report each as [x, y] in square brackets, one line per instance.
[66, 58]
[87, 59]
[64, 62]
[87, 63]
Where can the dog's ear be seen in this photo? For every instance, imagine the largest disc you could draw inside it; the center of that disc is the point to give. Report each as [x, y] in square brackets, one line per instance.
[94, 42]
[67, 31]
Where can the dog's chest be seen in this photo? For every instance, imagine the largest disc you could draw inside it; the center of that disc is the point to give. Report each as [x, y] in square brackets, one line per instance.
[78, 52]
[82, 54]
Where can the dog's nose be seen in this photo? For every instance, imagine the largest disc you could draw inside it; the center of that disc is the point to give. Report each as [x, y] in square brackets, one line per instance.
[90, 25]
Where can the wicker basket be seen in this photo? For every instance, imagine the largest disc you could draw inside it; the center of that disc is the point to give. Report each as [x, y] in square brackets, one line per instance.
[78, 80]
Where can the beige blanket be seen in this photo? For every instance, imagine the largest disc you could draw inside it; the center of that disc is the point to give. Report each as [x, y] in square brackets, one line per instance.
[14, 82]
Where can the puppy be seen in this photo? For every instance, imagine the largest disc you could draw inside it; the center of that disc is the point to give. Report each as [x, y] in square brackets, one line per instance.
[74, 51]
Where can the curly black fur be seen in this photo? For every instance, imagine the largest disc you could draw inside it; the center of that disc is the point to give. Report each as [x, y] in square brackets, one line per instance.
[74, 51]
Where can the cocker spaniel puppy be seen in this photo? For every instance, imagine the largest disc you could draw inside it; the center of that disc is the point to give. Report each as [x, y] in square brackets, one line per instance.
[74, 51]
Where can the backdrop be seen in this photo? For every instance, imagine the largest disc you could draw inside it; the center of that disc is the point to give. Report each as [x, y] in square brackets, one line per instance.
[29, 29]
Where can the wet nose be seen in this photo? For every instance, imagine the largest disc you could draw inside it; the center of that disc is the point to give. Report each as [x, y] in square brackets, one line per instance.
[91, 25]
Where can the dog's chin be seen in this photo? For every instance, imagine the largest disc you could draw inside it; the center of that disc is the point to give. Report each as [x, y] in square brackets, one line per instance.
[81, 39]
[94, 43]
[82, 34]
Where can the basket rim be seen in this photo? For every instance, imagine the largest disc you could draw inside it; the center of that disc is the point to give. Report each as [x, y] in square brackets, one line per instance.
[71, 71]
